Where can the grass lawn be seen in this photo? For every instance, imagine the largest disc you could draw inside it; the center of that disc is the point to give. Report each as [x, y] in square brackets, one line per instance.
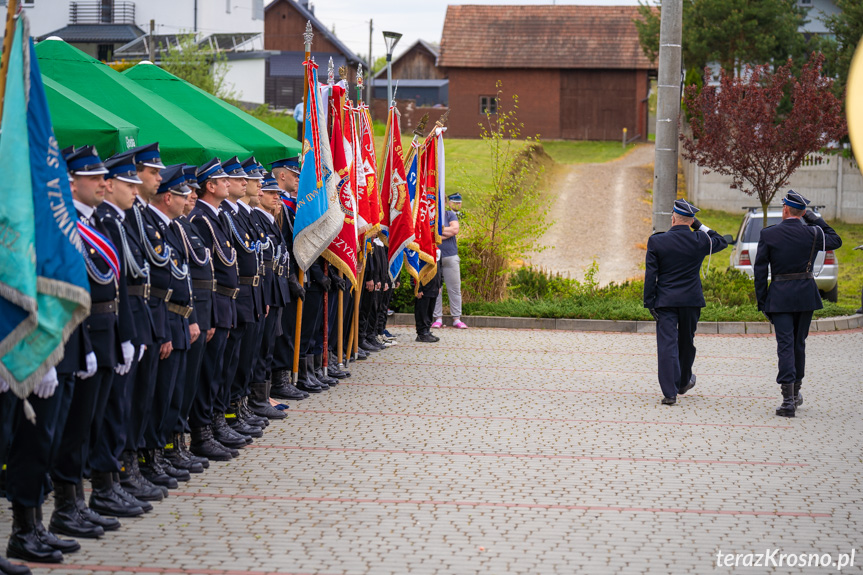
[570, 152]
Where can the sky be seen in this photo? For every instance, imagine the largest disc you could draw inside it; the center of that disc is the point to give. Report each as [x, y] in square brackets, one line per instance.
[414, 19]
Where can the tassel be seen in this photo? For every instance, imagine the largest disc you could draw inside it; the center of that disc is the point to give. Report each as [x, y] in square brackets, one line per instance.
[29, 413]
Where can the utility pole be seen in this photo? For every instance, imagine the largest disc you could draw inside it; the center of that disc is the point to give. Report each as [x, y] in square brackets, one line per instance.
[151, 44]
[667, 114]
[371, 63]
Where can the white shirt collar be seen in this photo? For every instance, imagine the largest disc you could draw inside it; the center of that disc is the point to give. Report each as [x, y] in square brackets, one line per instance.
[83, 208]
[163, 217]
[245, 206]
[215, 211]
[268, 214]
[120, 213]
[232, 204]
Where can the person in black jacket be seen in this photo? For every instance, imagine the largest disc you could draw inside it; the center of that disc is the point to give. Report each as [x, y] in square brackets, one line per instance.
[426, 296]
[787, 251]
[672, 293]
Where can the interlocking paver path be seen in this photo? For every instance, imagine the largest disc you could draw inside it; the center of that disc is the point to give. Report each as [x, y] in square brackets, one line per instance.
[502, 451]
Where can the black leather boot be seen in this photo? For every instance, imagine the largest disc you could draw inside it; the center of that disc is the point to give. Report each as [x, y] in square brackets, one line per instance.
[67, 518]
[62, 545]
[174, 456]
[7, 568]
[225, 435]
[304, 382]
[178, 474]
[128, 497]
[24, 542]
[204, 445]
[259, 402]
[180, 441]
[333, 369]
[236, 422]
[798, 397]
[310, 373]
[105, 501]
[787, 408]
[362, 354]
[134, 483]
[283, 388]
[251, 417]
[152, 469]
[106, 523]
[319, 371]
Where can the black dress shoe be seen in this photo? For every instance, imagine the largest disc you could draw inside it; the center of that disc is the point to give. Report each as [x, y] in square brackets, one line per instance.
[669, 400]
[7, 568]
[367, 346]
[204, 445]
[788, 407]
[25, 542]
[287, 392]
[688, 386]
[105, 501]
[427, 338]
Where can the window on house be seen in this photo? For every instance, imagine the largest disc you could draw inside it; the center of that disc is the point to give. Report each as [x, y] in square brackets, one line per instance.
[105, 52]
[487, 105]
[805, 2]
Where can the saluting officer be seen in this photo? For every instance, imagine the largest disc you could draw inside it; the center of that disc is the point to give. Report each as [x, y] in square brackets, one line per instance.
[205, 421]
[787, 251]
[672, 293]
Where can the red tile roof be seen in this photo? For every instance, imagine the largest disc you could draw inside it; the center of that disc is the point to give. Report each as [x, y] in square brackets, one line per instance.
[544, 36]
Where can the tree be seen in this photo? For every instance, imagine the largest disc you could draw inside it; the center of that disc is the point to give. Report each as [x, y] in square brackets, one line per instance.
[731, 32]
[739, 130]
[847, 29]
[509, 212]
[200, 66]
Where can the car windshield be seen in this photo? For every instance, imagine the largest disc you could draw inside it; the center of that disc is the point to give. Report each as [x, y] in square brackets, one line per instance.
[753, 230]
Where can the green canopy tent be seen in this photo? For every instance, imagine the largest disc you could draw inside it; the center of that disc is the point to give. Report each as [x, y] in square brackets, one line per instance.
[267, 143]
[78, 122]
[182, 137]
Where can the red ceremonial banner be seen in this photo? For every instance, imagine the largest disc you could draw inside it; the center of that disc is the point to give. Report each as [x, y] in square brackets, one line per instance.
[426, 212]
[397, 215]
[370, 162]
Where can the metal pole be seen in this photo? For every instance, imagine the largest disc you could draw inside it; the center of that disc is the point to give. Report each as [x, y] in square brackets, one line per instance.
[151, 52]
[371, 63]
[667, 114]
[389, 80]
[11, 12]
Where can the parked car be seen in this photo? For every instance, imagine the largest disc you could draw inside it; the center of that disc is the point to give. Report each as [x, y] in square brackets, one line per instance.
[745, 246]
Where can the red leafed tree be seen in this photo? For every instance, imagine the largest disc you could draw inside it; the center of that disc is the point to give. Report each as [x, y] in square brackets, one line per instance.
[747, 129]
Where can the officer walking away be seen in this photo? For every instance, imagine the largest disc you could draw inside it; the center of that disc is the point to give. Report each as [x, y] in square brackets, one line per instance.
[787, 251]
[672, 293]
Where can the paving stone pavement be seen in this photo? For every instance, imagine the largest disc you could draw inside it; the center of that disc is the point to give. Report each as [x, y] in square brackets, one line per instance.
[535, 452]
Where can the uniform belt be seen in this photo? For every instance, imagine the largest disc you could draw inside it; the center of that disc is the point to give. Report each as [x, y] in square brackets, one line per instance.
[250, 280]
[226, 291]
[279, 269]
[161, 294]
[790, 277]
[142, 290]
[183, 310]
[104, 307]
[209, 285]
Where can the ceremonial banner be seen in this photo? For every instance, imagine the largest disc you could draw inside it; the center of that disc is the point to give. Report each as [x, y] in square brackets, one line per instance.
[342, 252]
[319, 218]
[44, 292]
[441, 183]
[397, 217]
[426, 210]
[412, 257]
[369, 164]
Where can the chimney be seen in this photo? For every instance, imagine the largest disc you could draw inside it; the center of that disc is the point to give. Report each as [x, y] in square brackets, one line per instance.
[307, 5]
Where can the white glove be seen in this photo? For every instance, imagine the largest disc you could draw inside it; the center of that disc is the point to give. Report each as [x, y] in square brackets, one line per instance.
[141, 351]
[4, 387]
[48, 385]
[92, 366]
[128, 355]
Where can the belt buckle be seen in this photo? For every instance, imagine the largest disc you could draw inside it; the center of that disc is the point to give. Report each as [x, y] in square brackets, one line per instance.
[188, 312]
[116, 303]
[146, 290]
[214, 286]
[236, 293]
[168, 295]
[281, 270]
[256, 281]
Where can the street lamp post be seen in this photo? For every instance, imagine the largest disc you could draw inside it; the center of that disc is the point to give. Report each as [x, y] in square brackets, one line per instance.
[391, 39]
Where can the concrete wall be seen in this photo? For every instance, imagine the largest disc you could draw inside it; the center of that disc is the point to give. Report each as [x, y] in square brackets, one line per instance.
[246, 79]
[832, 182]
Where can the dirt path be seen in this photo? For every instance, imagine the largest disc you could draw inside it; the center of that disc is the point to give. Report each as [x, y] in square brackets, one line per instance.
[602, 213]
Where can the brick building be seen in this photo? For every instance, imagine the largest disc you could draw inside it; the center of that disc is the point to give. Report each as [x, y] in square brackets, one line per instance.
[579, 71]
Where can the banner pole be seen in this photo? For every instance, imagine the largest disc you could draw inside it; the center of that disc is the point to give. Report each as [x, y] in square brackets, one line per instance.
[326, 322]
[307, 37]
[11, 11]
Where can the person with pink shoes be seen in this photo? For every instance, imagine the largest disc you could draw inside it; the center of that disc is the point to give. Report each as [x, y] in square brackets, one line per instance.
[450, 265]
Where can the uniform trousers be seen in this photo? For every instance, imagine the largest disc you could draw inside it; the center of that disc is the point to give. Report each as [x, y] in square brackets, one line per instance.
[191, 381]
[73, 451]
[283, 351]
[313, 317]
[675, 333]
[108, 436]
[201, 414]
[369, 305]
[348, 322]
[143, 391]
[791, 332]
[250, 347]
[264, 355]
[423, 312]
[229, 369]
[386, 298]
[30, 447]
[332, 311]
[160, 423]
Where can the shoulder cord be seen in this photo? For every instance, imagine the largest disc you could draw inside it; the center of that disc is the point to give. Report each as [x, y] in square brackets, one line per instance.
[130, 263]
[228, 261]
[256, 244]
[97, 276]
[158, 261]
[190, 251]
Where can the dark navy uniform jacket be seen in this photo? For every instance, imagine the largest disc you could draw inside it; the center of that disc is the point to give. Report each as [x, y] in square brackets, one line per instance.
[141, 219]
[672, 266]
[785, 249]
[288, 218]
[127, 240]
[201, 268]
[181, 287]
[276, 261]
[250, 301]
[217, 238]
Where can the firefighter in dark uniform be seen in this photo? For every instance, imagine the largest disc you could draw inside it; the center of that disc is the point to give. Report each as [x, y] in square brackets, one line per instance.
[287, 175]
[203, 286]
[787, 251]
[110, 329]
[167, 205]
[672, 293]
[205, 421]
[108, 496]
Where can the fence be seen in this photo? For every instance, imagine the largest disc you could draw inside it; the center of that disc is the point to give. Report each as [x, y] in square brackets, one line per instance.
[830, 181]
